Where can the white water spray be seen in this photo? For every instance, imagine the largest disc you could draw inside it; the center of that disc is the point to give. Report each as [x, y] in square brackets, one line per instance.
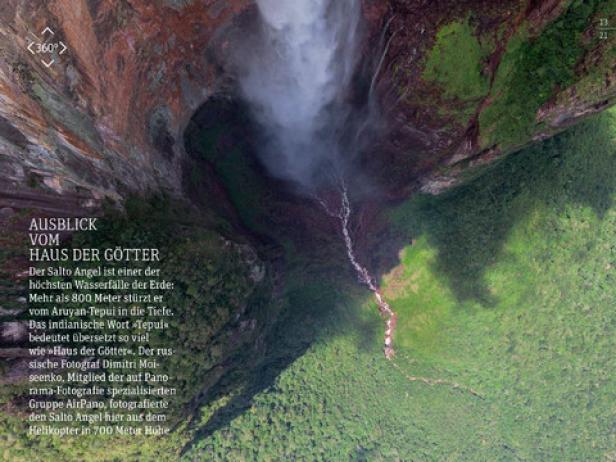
[297, 79]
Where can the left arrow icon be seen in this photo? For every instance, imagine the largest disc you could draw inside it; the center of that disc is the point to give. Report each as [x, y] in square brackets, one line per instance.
[30, 48]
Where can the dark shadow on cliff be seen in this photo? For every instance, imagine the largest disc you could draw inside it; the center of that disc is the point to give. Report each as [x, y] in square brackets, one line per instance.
[470, 224]
[315, 292]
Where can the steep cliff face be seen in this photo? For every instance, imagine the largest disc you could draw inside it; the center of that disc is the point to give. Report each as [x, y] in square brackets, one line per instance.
[467, 82]
[108, 115]
[104, 120]
[461, 84]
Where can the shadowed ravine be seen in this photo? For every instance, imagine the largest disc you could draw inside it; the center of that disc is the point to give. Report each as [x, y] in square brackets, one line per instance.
[328, 182]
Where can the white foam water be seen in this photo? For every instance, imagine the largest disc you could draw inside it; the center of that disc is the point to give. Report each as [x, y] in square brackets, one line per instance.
[297, 80]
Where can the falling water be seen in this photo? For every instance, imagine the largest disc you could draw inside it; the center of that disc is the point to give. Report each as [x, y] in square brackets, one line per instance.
[343, 214]
[296, 77]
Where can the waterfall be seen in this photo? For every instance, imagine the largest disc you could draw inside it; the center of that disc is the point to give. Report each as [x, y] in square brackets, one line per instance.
[296, 80]
[296, 77]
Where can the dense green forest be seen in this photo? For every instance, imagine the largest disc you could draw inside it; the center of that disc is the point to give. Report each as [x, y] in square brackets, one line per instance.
[505, 304]
[505, 296]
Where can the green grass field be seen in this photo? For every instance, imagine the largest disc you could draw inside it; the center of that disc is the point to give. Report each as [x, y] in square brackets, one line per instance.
[508, 291]
[455, 62]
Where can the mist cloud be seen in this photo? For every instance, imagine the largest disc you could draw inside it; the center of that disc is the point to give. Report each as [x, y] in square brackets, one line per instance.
[296, 78]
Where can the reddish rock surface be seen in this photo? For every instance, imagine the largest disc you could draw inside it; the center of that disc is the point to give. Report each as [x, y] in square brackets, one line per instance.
[430, 141]
[108, 116]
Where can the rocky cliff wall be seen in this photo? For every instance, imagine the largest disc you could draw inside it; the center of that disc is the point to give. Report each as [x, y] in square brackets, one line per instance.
[464, 83]
[108, 115]
[460, 84]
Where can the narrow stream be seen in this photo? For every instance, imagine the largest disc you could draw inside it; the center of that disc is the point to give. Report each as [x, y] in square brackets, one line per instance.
[343, 214]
